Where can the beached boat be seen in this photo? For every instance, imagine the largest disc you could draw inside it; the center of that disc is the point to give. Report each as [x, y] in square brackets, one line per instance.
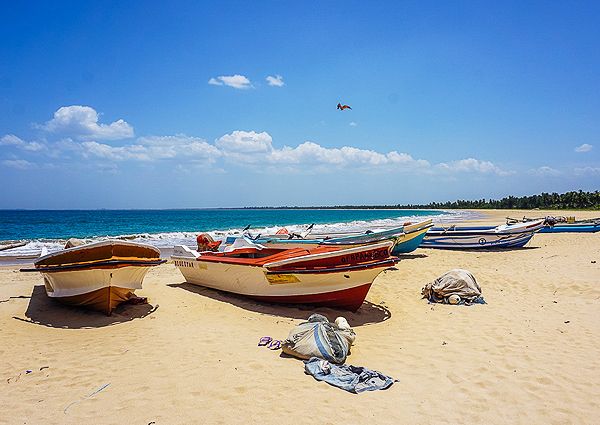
[412, 238]
[482, 237]
[406, 238]
[324, 275]
[583, 227]
[98, 275]
[11, 245]
[562, 224]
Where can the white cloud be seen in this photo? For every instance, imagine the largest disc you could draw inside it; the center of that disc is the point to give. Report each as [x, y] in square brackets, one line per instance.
[115, 153]
[245, 142]
[12, 140]
[545, 171]
[19, 164]
[85, 135]
[160, 147]
[154, 148]
[594, 171]
[82, 122]
[584, 148]
[473, 165]
[353, 124]
[236, 81]
[275, 81]
[251, 147]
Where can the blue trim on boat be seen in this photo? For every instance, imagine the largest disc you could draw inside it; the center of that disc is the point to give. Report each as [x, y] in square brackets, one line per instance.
[571, 228]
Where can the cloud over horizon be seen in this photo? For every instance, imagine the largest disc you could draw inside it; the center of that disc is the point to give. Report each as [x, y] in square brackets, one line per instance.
[77, 134]
[545, 171]
[249, 147]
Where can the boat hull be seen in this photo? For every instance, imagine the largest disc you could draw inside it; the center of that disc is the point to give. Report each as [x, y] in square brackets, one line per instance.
[409, 242]
[571, 228]
[482, 237]
[104, 300]
[100, 275]
[348, 299]
[322, 276]
[345, 289]
[97, 289]
[475, 241]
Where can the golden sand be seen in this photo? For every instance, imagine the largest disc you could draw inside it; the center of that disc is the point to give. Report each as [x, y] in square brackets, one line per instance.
[530, 355]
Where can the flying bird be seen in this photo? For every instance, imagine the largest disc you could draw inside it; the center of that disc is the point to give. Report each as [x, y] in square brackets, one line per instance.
[342, 107]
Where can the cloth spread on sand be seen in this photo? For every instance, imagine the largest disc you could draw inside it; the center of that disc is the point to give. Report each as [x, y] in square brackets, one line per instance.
[320, 338]
[456, 282]
[354, 379]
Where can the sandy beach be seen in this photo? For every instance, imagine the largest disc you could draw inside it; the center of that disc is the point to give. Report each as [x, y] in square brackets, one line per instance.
[530, 355]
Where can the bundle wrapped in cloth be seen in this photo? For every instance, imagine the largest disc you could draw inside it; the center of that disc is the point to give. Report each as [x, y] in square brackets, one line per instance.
[318, 337]
[457, 286]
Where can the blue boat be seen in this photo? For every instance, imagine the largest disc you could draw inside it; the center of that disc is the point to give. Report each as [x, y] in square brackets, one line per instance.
[482, 237]
[589, 227]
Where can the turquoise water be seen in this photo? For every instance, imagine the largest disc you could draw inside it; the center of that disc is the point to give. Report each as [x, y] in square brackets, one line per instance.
[165, 228]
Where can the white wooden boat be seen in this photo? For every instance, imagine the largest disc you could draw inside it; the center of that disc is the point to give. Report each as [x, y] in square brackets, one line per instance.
[325, 275]
[99, 275]
[482, 237]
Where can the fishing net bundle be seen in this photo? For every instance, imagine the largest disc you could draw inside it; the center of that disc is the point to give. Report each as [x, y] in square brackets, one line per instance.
[318, 337]
[457, 286]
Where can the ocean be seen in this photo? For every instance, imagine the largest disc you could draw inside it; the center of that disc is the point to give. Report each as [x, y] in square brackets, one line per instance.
[165, 228]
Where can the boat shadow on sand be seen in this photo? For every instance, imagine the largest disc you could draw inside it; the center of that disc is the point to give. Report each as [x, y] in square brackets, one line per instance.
[43, 310]
[368, 313]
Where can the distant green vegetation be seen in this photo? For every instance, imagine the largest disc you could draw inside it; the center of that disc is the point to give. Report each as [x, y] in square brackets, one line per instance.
[569, 200]
[576, 200]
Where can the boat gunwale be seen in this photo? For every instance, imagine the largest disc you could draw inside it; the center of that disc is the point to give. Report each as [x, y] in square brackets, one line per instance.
[96, 244]
[332, 253]
[391, 261]
[323, 253]
[104, 264]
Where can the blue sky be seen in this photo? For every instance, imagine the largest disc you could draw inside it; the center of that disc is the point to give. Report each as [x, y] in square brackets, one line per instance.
[203, 104]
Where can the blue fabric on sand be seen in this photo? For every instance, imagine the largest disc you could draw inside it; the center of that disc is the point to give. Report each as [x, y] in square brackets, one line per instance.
[354, 379]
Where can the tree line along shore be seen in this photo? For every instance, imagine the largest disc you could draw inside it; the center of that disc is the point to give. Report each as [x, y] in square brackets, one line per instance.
[574, 200]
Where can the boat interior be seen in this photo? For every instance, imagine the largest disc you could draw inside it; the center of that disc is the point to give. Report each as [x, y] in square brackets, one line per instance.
[258, 257]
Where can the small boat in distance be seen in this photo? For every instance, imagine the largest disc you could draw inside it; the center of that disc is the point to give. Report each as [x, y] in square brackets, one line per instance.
[99, 275]
[322, 275]
[482, 237]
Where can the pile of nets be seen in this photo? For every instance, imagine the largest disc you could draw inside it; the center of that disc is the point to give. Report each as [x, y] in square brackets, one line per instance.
[457, 286]
[318, 337]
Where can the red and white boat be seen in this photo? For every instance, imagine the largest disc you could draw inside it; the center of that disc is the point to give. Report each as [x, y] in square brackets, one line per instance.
[324, 275]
